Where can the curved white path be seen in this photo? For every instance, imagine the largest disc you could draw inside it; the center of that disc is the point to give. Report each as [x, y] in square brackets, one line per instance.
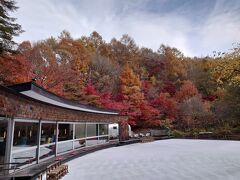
[161, 160]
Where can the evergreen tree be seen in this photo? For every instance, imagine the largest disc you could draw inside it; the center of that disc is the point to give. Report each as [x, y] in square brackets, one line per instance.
[8, 27]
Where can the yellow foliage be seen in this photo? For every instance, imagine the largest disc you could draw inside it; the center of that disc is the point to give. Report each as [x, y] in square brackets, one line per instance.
[131, 87]
[227, 71]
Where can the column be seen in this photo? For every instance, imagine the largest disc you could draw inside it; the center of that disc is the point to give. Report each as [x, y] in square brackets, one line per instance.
[56, 142]
[39, 140]
[123, 131]
[9, 141]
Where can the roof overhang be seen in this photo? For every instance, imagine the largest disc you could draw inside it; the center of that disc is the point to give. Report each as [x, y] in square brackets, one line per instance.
[34, 91]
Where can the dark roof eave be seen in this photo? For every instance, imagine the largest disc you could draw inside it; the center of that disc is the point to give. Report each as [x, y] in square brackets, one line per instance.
[18, 88]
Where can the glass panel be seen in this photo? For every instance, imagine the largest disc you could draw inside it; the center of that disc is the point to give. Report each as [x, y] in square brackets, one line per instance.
[92, 141]
[92, 130]
[65, 146]
[25, 135]
[48, 133]
[79, 143]
[113, 131]
[3, 136]
[65, 132]
[27, 156]
[80, 131]
[103, 139]
[103, 129]
[47, 151]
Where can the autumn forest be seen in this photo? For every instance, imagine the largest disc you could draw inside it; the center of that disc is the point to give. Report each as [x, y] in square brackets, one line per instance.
[155, 89]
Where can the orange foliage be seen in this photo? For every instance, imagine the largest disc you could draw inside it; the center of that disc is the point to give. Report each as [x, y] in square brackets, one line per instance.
[131, 87]
[14, 69]
[187, 91]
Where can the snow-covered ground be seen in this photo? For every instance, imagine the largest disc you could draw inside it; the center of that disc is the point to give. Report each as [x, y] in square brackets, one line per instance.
[161, 160]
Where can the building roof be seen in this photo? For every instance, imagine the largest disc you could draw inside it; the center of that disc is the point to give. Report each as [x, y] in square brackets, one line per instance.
[34, 91]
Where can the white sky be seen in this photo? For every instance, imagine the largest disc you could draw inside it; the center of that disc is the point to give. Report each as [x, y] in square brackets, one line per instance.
[194, 27]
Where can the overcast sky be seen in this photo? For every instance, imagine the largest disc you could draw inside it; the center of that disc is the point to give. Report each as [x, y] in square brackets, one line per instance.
[195, 27]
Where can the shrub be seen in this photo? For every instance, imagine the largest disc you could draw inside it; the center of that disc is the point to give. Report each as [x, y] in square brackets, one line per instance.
[178, 134]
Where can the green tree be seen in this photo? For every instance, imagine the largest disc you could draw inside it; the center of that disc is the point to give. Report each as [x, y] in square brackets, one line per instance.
[8, 27]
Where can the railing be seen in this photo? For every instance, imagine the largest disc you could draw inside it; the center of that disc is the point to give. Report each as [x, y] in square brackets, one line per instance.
[5, 168]
[159, 132]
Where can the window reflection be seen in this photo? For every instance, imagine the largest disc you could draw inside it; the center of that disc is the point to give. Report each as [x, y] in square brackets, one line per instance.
[103, 129]
[103, 139]
[3, 137]
[79, 143]
[27, 156]
[92, 141]
[48, 133]
[65, 132]
[25, 134]
[47, 151]
[92, 130]
[80, 131]
[64, 146]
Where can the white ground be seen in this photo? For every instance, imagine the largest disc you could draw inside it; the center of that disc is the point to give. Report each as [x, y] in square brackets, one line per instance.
[161, 160]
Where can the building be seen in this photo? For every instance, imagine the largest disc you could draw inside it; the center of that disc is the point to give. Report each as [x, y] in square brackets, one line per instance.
[36, 125]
